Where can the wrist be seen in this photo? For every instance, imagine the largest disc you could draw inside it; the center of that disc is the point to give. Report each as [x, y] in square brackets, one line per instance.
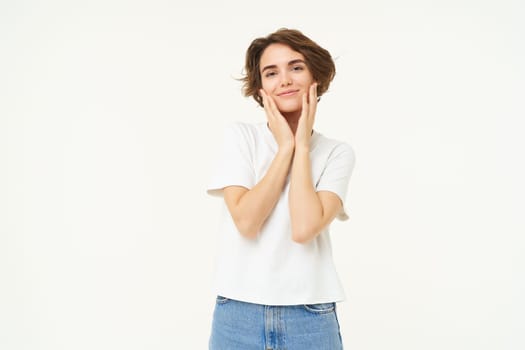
[285, 150]
[302, 148]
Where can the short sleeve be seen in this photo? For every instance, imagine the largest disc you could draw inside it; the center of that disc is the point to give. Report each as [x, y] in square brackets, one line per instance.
[234, 166]
[336, 175]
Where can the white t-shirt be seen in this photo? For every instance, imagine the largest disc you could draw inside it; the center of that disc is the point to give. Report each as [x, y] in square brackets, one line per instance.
[272, 269]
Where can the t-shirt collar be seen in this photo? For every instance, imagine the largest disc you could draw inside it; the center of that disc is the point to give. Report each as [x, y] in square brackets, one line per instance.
[273, 144]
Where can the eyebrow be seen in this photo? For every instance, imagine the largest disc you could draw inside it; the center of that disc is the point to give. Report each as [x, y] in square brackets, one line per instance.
[291, 63]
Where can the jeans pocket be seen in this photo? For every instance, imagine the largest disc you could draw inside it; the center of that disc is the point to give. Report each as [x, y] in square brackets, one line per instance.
[221, 300]
[322, 308]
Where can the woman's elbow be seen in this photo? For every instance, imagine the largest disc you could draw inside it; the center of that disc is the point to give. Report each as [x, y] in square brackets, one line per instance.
[304, 235]
[247, 228]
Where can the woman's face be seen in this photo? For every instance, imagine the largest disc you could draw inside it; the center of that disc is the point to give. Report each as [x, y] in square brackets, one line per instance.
[285, 76]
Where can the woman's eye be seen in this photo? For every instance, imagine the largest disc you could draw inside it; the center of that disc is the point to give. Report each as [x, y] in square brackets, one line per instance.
[298, 68]
[270, 74]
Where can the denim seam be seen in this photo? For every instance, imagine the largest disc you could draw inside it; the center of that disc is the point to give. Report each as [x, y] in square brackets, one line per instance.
[319, 311]
[221, 300]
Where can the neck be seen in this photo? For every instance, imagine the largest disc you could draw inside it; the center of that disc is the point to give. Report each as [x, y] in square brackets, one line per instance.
[293, 119]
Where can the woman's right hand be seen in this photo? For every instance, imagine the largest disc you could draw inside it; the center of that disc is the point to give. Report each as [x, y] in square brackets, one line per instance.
[278, 125]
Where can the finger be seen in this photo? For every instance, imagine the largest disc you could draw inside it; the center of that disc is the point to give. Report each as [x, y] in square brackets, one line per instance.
[304, 111]
[262, 94]
[275, 111]
[266, 104]
[264, 98]
[313, 101]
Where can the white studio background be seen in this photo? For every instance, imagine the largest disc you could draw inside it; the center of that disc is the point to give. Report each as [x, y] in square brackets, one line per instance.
[111, 113]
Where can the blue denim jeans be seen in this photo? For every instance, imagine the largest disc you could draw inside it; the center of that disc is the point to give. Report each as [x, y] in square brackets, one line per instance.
[247, 326]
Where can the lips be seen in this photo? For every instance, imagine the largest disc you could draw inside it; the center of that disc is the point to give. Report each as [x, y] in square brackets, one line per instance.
[287, 93]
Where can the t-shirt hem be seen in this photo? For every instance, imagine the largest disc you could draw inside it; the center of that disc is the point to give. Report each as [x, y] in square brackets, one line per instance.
[282, 302]
[217, 190]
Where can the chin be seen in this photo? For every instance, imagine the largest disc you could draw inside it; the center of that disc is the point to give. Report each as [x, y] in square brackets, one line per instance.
[290, 107]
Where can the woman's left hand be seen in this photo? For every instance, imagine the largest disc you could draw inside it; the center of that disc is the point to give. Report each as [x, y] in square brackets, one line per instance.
[303, 134]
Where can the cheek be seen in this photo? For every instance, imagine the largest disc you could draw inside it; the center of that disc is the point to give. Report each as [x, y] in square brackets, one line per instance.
[308, 77]
[267, 85]
[309, 80]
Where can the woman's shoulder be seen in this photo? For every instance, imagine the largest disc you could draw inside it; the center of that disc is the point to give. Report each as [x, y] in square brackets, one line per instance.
[333, 144]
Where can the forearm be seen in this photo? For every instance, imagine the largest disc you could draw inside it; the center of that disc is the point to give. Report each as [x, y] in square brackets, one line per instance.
[306, 210]
[255, 205]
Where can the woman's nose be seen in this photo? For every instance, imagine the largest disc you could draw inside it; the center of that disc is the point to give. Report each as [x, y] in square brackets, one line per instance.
[286, 80]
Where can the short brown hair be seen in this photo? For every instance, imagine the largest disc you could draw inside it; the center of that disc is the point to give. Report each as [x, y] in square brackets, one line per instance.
[318, 60]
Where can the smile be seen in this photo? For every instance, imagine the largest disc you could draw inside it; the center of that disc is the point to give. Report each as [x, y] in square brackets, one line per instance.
[288, 93]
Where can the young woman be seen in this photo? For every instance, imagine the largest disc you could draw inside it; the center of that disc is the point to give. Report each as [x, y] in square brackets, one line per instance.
[283, 183]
